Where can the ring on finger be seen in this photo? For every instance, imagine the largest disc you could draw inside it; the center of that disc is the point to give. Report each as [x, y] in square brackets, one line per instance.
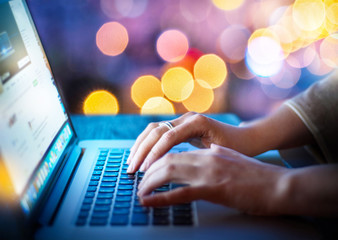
[168, 124]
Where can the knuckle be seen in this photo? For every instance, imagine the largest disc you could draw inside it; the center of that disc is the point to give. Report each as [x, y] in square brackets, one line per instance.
[156, 132]
[168, 158]
[189, 114]
[152, 125]
[199, 118]
[169, 135]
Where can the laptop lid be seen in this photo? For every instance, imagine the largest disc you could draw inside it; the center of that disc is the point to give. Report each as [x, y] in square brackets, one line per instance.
[35, 129]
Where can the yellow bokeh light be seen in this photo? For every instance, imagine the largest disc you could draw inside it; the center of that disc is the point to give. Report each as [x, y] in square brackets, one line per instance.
[112, 38]
[200, 99]
[308, 14]
[100, 102]
[228, 4]
[145, 87]
[157, 105]
[329, 50]
[172, 45]
[332, 13]
[177, 84]
[211, 69]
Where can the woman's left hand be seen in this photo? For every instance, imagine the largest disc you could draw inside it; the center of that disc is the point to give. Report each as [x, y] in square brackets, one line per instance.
[219, 175]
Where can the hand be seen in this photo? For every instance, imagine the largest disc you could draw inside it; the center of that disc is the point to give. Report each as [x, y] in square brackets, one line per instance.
[199, 130]
[219, 175]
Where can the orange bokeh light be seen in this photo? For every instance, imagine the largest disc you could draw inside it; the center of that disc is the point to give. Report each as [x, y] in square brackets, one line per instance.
[157, 105]
[200, 99]
[145, 87]
[211, 69]
[112, 38]
[177, 84]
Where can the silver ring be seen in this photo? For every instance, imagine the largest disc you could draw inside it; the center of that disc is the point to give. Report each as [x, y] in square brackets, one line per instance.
[167, 124]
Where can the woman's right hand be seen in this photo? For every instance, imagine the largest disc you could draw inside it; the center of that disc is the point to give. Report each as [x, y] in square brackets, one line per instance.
[156, 140]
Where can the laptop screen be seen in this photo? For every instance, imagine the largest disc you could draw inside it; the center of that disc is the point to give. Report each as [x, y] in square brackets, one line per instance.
[34, 126]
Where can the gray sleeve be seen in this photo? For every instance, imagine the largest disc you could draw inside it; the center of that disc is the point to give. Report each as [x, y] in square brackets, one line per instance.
[318, 109]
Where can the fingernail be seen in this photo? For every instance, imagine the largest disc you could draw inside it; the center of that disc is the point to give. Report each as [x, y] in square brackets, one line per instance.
[142, 168]
[130, 169]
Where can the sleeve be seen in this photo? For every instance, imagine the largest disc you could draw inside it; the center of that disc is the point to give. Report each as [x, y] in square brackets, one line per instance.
[318, 109]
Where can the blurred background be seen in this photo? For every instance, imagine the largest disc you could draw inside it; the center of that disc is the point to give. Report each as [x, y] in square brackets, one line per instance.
[174, 56]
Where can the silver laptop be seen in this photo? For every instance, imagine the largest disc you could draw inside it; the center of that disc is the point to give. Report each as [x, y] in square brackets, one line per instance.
[63, 188]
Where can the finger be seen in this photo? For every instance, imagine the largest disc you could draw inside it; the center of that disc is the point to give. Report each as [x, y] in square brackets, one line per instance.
[146, 143]
[145, 146]
[140, 139]
[176, 196]
[190, 158]
[179, 172]
[181, 133]
[148, 129]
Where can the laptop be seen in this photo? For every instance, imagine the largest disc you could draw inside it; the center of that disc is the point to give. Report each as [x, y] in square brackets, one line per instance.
[54, 186]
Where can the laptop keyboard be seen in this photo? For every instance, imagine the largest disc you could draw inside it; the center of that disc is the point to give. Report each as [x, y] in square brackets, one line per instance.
[111, 197]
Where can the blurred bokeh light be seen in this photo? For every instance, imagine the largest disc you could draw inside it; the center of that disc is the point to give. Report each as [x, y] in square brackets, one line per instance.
[100, 102]
[157, 105]
[112, 38]
[174, 56]
[145, 87]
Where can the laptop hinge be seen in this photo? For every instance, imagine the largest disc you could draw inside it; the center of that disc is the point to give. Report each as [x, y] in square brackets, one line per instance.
[55, 197]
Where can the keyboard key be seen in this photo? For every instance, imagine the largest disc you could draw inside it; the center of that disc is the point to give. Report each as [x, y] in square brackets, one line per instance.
[110, 174]
[113, 165]
[83, 214]
[124, 211]
[122, 205]
[114, 151]
[108, 184]
[105, 195]
[127, 176]
[100, 214]
[112, 169]
[141, 210]
[125, 187]
[97, 173]
[137, 203]
[85, 207]
[123, 198]
[100, 208]
[90, 194]
[98, 168]
[103, 202]
[100, 163]
[107, 190]
[126, 182]
[109, 179]
[159, 221]
[95, 178]
[98, 221]
[93, 183]
[124, 193]
[119, 219]
[88, 201]
[114, 160]
[139, 219]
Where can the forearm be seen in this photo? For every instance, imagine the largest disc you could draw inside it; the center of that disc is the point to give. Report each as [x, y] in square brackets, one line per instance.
[311, 191]
[282, 129]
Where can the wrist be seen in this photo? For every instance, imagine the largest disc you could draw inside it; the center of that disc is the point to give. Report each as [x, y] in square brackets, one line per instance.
[283, 190]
